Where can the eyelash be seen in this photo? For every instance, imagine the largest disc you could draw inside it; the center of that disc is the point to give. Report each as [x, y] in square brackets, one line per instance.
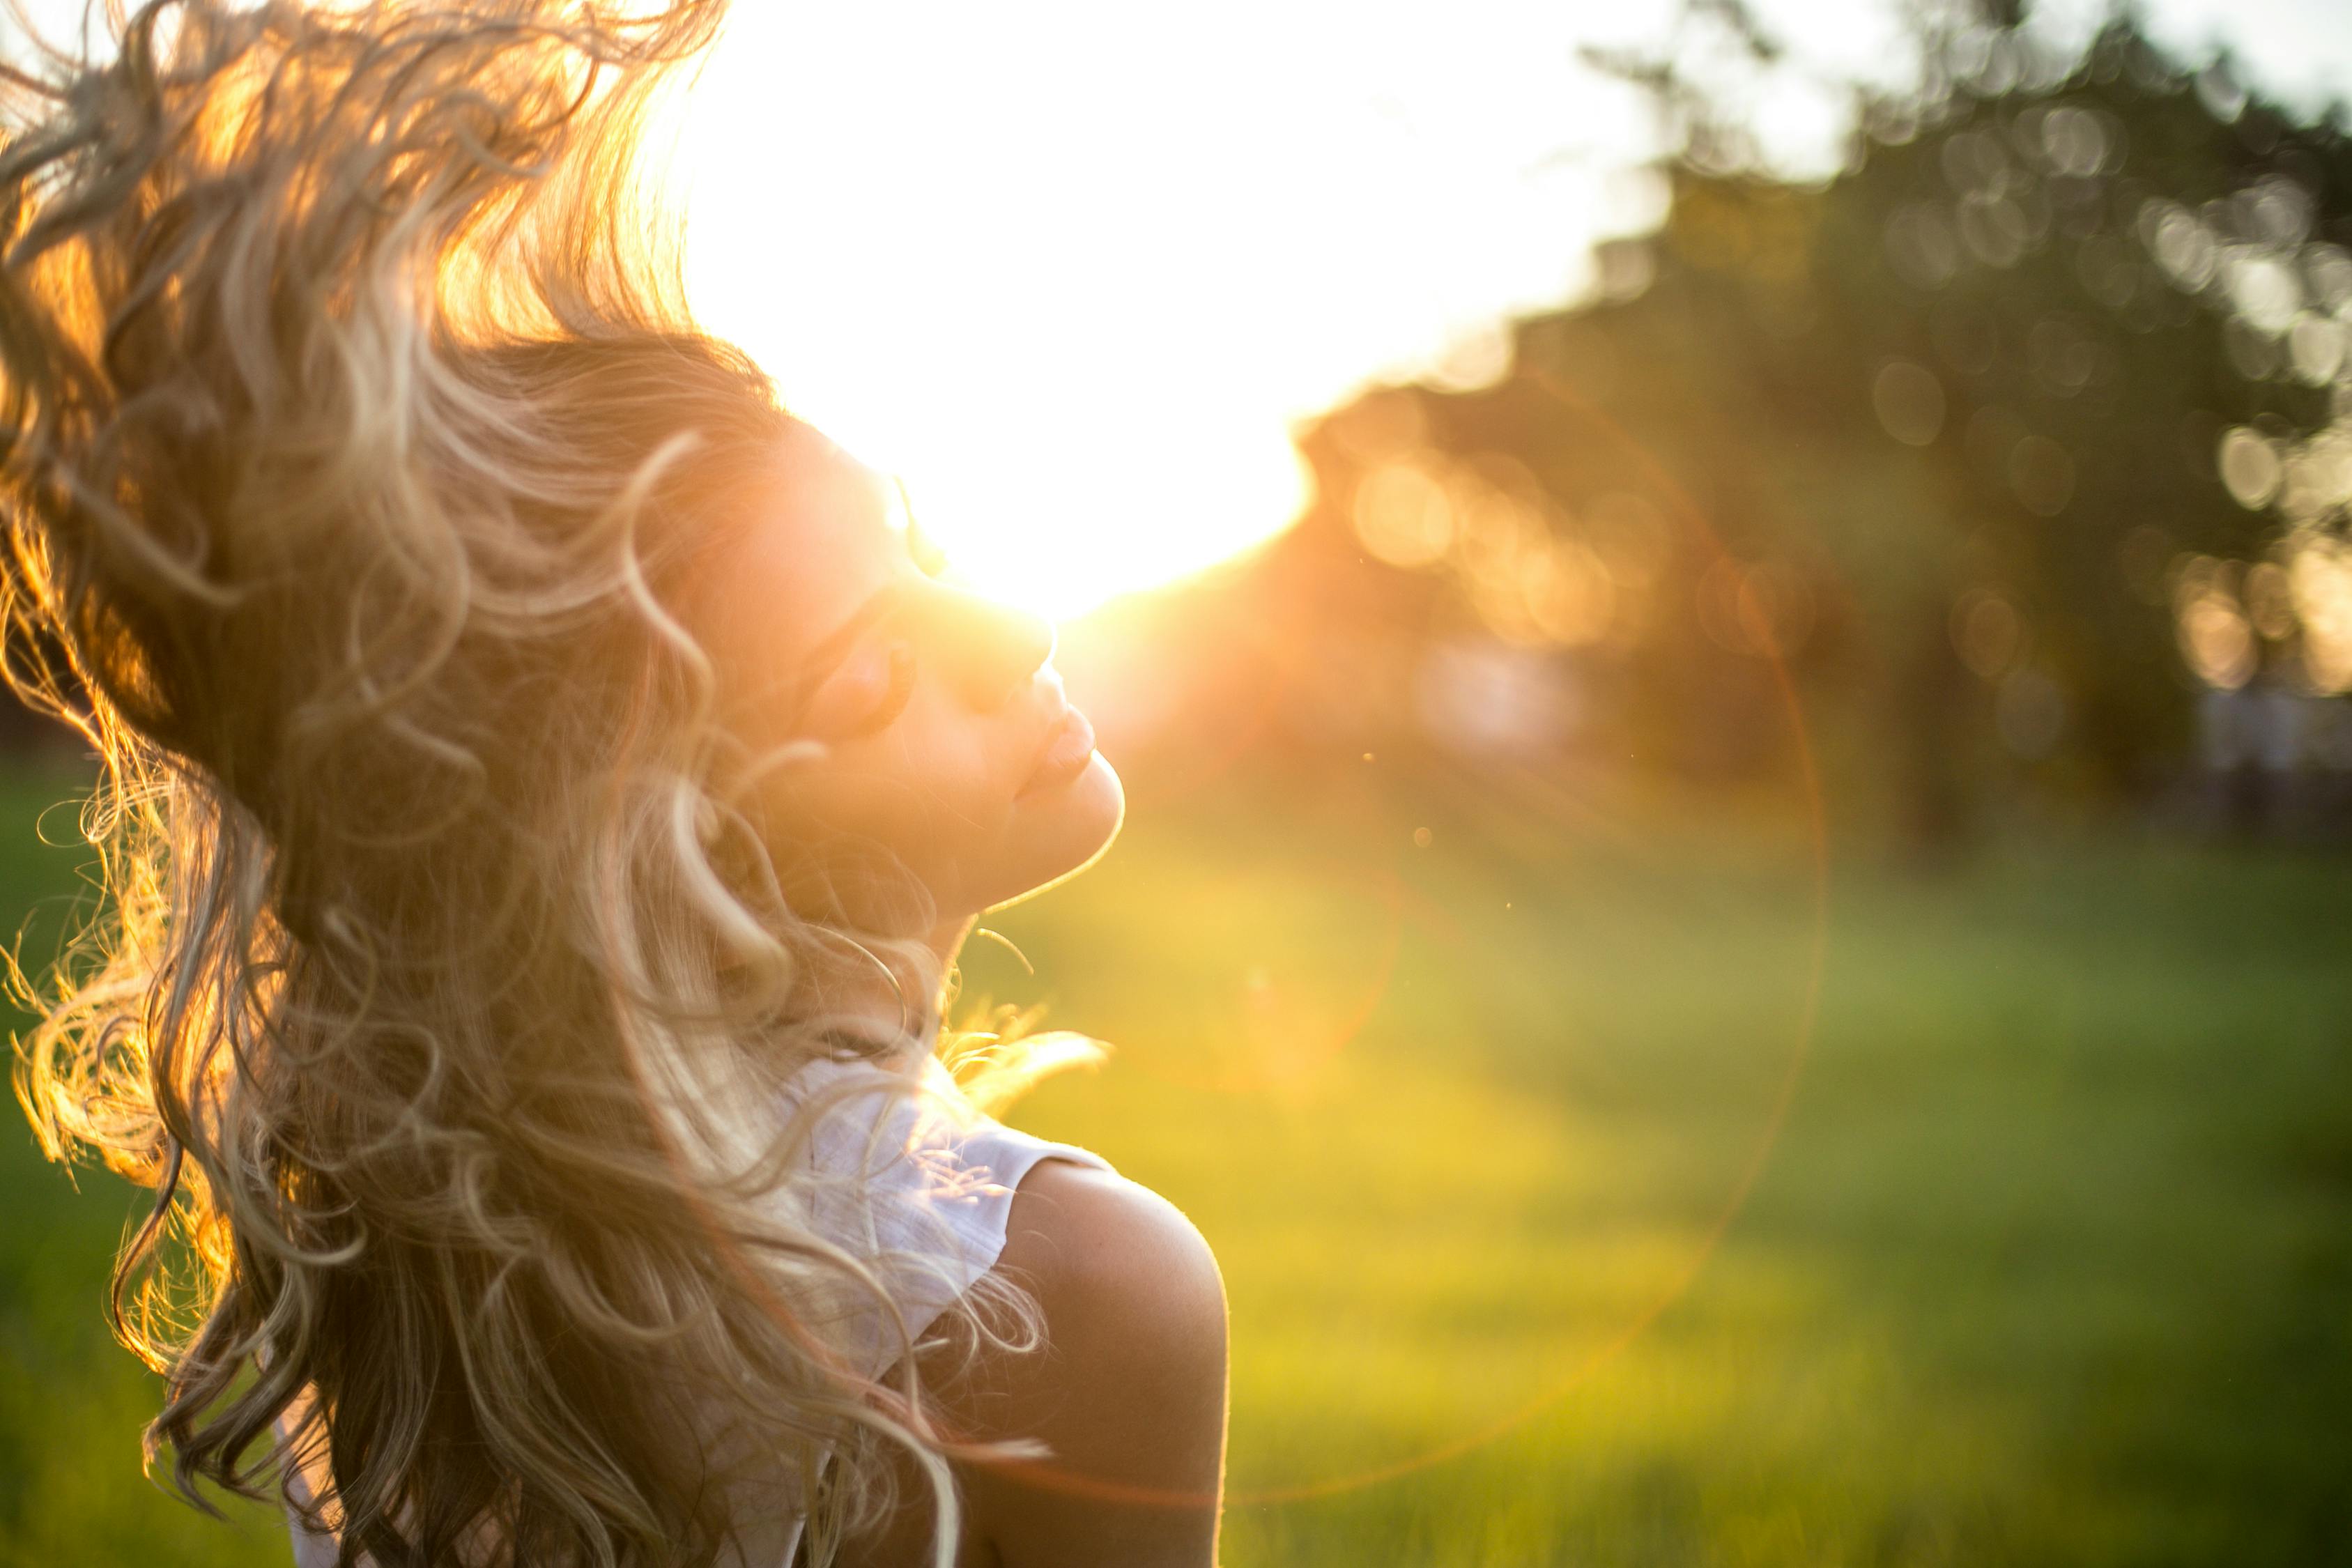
[894, 699]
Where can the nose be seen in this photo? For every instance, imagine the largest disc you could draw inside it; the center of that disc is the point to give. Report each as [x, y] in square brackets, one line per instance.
[997, 648]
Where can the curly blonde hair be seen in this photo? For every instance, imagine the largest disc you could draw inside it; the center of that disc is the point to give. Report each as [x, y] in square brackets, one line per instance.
[356, 451]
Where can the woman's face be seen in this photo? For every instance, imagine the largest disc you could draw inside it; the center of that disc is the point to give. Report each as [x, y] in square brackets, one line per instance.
[947, 746]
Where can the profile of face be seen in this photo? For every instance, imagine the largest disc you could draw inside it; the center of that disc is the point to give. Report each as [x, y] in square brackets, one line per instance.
[948, 750]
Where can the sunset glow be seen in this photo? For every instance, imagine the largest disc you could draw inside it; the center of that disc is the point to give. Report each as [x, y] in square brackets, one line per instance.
[1081, 310]
[1075, 272]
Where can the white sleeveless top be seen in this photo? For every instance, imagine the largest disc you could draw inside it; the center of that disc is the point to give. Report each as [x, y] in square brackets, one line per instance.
[918, 1186]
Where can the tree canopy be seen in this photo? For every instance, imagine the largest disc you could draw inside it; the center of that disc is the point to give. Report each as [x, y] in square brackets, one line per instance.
[2009, 438]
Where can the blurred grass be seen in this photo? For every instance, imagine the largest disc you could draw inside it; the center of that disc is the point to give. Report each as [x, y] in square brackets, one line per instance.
[2050, 1263]
[71, 1402]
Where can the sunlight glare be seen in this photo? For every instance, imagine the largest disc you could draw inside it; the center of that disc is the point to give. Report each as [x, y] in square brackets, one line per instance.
[1075, 273]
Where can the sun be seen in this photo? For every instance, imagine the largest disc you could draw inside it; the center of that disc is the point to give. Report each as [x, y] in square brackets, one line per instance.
[1076, 273]
[1052, 470]
[1041, 496]
[1064, 437]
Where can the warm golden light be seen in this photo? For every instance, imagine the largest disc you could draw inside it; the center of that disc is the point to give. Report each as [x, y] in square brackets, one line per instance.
[1050, 473]
[1076, 273]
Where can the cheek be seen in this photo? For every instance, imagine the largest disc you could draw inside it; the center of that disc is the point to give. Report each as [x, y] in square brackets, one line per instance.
[936, 794]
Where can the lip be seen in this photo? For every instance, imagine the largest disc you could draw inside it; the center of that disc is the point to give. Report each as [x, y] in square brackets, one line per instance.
[1069, 746]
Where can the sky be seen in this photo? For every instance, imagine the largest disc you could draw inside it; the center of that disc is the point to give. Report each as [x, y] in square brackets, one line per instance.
[1076, 270]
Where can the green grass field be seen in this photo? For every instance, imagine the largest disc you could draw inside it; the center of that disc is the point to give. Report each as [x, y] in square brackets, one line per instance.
[2049, 1261]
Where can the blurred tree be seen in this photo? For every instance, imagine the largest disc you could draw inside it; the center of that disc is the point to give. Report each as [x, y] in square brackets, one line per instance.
[2031, 422]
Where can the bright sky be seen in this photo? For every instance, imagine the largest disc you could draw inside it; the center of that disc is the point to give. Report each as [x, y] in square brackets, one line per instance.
[1076, 269]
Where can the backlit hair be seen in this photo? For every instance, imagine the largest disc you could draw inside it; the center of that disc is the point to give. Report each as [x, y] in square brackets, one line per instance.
[357, 450]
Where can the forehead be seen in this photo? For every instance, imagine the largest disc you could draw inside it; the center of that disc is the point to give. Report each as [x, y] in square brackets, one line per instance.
[822, 536]
[820, 490]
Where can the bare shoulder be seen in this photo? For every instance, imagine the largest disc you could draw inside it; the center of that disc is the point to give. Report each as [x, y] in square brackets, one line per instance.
[1109, 1257]
[1126, 1395]
[1127, 1392]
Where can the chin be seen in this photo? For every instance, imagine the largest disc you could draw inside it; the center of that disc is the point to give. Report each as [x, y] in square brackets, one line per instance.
[1065, 831]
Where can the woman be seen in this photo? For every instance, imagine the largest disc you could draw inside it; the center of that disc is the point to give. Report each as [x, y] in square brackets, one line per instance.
[543, 797]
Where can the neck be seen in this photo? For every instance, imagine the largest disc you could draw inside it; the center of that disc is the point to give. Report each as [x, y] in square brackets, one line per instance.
[860, 994]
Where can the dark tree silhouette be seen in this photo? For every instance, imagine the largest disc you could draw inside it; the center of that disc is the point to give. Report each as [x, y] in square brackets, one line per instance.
[2008, 439]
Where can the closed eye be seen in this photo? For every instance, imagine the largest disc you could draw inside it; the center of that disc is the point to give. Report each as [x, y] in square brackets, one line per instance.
[832, 663]
[861, 694]
[898, 690]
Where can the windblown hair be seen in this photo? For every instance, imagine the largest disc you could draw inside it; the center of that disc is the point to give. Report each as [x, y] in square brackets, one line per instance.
[355, 450]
